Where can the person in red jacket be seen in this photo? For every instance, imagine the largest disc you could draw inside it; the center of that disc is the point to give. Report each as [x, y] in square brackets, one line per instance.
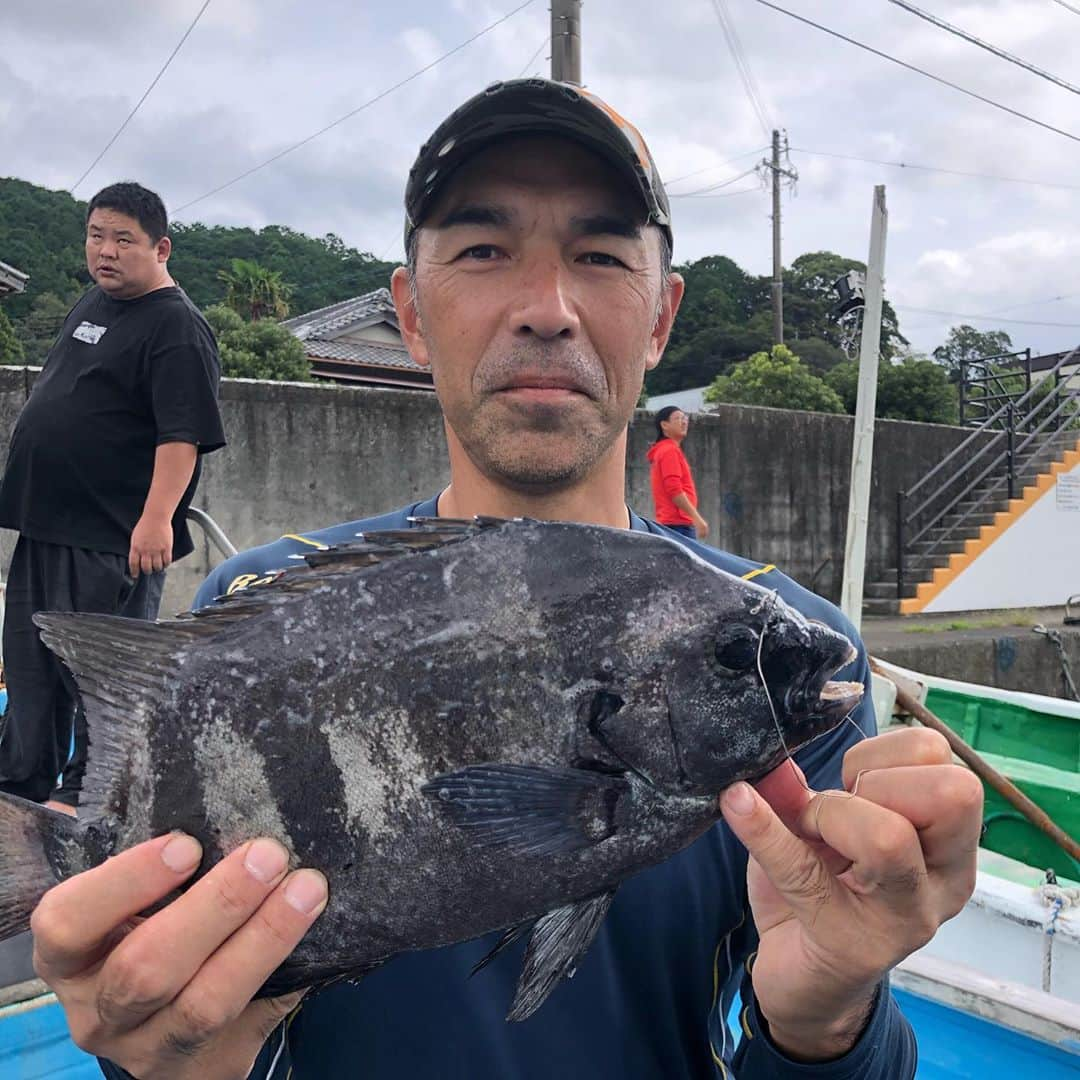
[674, 494]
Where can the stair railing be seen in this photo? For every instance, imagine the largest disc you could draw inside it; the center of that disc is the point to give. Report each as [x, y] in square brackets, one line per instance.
[1010, 420]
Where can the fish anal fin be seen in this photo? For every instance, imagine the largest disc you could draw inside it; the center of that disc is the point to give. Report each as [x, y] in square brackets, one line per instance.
[529, 810]
[559, 941]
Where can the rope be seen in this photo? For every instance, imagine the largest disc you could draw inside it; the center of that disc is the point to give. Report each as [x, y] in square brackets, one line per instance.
[1057, 898]
[1054, 636]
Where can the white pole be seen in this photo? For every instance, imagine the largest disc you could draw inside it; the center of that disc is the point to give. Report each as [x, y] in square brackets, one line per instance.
[862, 450]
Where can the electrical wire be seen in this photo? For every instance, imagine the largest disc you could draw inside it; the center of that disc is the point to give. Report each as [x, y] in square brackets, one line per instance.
[360, 108]
[1068, 7]
[532, 60]
[722, 164]
[742, 65]
[716, 187]
[938, 169]
[138, 104]
[983, 318]
[919, 71]
[942, 24]
[722, 195]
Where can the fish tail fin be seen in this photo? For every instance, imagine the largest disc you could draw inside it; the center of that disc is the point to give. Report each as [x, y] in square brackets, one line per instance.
[28, 832]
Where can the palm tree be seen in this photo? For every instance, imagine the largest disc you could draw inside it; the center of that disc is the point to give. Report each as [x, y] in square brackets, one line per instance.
[255, 292]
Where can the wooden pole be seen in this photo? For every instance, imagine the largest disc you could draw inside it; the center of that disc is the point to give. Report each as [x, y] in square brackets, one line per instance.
[984, 771]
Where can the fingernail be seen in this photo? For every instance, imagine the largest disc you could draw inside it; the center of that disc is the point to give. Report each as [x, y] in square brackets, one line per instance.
[182, 853]
[306, 891]
[739, 799]
[266, 860]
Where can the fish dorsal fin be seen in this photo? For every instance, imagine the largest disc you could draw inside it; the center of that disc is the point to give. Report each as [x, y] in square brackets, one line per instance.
[122, 668]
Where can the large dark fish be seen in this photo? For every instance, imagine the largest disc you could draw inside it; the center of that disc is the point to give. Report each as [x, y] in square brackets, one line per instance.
[465, 726]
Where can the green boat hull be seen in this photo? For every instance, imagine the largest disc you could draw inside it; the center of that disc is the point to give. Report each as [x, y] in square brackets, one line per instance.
[1037, 750]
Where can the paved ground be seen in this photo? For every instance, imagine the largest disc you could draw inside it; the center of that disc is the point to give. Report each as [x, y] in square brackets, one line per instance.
[886, 631]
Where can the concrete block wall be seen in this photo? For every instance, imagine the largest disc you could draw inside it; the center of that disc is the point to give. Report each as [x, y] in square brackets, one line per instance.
[773, 483]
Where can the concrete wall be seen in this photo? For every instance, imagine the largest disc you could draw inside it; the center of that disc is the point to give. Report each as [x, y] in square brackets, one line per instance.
[773, 483]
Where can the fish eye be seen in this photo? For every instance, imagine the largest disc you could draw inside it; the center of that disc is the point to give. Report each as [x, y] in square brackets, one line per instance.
[736, 650]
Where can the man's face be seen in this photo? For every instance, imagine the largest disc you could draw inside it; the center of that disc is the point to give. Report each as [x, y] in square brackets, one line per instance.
[540, 306]
[121, 257]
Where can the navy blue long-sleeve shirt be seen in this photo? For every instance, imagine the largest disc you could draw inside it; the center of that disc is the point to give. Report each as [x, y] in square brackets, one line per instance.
[651, 997]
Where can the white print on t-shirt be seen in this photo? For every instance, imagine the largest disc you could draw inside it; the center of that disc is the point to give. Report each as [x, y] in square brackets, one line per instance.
[88, 332]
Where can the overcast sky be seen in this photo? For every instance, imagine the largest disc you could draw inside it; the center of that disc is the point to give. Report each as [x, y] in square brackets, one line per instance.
[256, 76]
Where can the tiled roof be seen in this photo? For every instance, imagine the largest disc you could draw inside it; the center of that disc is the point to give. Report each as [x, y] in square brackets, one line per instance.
[368, 352]
[12, 280]
[329, 322]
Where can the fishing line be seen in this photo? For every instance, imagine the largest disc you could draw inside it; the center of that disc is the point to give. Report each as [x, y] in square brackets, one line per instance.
[771, 601]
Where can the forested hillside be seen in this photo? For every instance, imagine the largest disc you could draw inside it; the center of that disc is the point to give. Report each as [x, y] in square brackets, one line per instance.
[725, 317]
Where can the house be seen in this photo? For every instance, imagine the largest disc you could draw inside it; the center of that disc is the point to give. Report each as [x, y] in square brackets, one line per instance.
[11, 280]
[690, 401]
[358, 342]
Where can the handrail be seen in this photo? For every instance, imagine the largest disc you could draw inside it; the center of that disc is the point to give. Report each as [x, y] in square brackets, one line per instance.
[1014, 454]
[979, 431]
[1071, 398]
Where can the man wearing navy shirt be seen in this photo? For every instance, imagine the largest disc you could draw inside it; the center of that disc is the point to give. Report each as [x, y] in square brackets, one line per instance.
[539, 290]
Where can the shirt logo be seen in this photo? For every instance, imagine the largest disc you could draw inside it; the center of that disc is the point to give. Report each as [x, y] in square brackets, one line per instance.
[88, 332]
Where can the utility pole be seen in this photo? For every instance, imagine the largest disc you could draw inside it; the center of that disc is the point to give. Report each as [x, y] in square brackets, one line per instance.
[779, 174]
[862, 449]
[566, 41]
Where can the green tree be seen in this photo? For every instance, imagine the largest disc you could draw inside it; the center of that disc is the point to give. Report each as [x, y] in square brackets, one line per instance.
[254, 291]
[777, 378]
[809, 301]
[39, 329]
[257, 350]
[914, 389]
[965, 344]
[11, 348]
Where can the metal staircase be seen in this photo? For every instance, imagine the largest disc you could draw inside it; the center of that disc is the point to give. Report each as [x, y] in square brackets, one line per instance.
[1022, 426]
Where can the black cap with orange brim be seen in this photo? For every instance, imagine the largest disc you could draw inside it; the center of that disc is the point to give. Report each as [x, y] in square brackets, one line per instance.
[534, 107]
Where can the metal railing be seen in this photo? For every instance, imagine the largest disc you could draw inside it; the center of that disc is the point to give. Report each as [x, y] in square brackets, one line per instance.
[1006, 442]
[984, 386]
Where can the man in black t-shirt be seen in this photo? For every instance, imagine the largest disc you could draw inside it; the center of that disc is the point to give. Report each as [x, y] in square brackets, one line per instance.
[101, 469]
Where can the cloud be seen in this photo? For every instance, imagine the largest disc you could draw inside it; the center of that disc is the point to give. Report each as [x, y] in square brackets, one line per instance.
[257, 76]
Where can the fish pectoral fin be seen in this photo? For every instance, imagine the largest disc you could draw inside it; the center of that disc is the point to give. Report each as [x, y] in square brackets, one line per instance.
[558, 943]
[529, 809]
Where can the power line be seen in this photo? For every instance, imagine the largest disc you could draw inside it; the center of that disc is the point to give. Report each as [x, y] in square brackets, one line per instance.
[723, 195]
[919, 71]
[532, 59]
[742, 65]
[938, 169]
[360, 108]
[146, 94]
[1068, 7]
[722, 164]
[983, 44]
[716, 187]
[984, 318]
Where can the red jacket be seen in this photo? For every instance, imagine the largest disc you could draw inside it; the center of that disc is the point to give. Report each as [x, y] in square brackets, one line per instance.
[670, 474]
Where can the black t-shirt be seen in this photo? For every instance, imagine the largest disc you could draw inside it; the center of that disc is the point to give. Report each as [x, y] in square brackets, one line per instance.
[123, 377]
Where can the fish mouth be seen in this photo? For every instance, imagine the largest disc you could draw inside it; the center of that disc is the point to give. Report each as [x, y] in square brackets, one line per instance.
[837, 697]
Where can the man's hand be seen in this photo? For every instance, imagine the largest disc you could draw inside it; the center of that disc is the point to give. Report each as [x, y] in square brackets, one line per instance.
[169, 997]
[843, 886]
[151, 544]
[701, 526]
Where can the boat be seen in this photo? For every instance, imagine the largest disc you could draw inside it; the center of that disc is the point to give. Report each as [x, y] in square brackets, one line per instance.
[997, 991]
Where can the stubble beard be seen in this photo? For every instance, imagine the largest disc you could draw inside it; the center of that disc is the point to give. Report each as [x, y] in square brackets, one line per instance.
[529, 447]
